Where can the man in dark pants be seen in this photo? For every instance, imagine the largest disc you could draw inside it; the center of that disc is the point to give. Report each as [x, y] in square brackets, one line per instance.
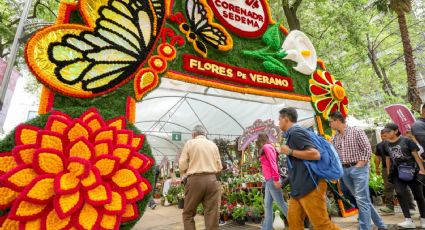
[152, 203]
[200, 163]
[418, 128]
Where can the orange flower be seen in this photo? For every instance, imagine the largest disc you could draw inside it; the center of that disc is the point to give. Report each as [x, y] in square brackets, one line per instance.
[81, 173]
[327, 94]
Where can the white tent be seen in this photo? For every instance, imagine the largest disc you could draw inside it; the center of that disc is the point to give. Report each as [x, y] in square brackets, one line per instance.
[177, 107]
[352, 121]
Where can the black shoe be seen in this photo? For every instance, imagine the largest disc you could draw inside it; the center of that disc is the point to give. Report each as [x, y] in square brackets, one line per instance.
[153, 206]
[221, 222]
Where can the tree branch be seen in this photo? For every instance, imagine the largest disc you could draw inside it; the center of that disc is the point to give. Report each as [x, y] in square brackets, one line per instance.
[296, 4]
[389, 35]
[383, 28]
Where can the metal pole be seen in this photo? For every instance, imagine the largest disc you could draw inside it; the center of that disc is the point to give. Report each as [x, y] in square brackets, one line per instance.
[14, 51]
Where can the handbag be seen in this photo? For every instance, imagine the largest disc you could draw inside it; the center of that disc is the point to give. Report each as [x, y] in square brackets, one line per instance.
[406, 172]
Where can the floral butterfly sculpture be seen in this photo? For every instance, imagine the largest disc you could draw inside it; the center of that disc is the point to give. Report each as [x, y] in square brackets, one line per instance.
[87, 61]
[75, 173]
[200, 29]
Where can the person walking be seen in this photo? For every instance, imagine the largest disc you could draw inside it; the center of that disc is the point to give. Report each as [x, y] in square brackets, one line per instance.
[403, 163]
[307, 199]
[273, 191]
[354, 150]
[380, 155]
[200, 163]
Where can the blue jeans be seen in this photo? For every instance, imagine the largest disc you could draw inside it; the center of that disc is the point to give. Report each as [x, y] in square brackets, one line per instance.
[272, 194]
[357, 181]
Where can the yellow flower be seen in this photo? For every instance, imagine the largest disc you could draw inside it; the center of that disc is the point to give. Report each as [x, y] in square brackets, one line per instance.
[82, 173]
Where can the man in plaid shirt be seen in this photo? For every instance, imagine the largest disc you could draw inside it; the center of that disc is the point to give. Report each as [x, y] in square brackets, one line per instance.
[354, 150]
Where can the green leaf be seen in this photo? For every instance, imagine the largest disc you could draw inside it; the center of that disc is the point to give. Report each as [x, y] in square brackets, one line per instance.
[272, 37]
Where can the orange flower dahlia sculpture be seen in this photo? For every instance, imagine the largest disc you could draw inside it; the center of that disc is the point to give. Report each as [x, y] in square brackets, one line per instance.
[82, 173]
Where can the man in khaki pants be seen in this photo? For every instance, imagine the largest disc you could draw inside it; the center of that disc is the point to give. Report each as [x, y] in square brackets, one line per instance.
[200, 163]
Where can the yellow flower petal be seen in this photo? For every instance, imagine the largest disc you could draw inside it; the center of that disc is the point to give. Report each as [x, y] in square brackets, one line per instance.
[102, 149]
[34, 224]
[131, 194]
[42, 190]
[68, 202]
[77, 131]
[98, 194]
[123, 138]
[26, 154]
[51, 142]
[7, 163]
[116, 203]
[58, 126]
[124, 178]
[28, 136]
[68, 182]
[105, 135]
[88, 216]
[26, 209]
[7, 196]
[129, 211]
[50, 163]
[77, 168]
[89, 180]
[106, 166]
[118, 124]
[80, 149]
[53, 222]
[10, 224]
[109, 221]
[23, 177]
[122, 153]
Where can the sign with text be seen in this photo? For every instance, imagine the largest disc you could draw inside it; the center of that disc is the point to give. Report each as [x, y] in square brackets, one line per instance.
[246, 18]
[233, 74]
[250, 134]
[402, 116]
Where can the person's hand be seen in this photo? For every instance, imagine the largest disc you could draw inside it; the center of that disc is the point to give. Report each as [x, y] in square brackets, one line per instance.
[422, 172]
[277, 184]
[285, 149]
[360, 164]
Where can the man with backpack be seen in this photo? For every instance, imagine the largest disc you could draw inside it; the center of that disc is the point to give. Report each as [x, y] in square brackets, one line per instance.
[355, 151]
[308, 191]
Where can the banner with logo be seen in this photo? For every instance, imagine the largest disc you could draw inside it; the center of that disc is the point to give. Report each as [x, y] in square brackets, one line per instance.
[402, 116]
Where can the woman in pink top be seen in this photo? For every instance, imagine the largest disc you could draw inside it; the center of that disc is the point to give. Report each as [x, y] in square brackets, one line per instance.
[273, 189]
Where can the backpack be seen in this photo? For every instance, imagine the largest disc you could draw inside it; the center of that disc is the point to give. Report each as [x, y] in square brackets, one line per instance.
[329, 166]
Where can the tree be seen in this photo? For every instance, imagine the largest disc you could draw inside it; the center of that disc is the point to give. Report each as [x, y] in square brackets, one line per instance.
[290, 10]
[401, 7]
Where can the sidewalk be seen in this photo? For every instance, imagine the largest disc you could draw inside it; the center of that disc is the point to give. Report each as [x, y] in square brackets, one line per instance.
[170, 218]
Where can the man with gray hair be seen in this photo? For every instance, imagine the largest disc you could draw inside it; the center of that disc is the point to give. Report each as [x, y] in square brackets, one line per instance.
[200, 163]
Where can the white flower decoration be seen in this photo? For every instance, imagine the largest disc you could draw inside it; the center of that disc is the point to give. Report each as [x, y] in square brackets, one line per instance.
[300, 50]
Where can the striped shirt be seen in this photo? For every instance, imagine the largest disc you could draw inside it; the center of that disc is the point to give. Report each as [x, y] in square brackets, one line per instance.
[352, 146]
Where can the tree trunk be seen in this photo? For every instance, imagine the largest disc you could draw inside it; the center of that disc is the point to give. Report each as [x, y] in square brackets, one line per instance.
[412, 89]
[291, 14]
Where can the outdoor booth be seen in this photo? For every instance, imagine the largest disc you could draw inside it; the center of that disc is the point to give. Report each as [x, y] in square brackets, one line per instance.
[83, 162]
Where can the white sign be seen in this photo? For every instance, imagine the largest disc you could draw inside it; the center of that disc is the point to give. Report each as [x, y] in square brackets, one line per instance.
[246, 18]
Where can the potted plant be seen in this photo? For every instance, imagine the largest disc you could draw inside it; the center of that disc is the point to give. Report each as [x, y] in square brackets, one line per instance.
[256, 213]
[239, 214]
[163, 200]
[259, 180]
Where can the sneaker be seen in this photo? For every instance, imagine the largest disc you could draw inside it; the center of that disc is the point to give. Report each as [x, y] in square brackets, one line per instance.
[153, 206]
[408, 223]
[221, 222]
[387, 211]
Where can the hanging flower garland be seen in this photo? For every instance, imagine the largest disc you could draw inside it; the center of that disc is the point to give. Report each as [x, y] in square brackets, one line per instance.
[327, 94]
[82, 173]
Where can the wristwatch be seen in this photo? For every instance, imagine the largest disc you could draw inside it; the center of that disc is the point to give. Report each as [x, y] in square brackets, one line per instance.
[290, 152]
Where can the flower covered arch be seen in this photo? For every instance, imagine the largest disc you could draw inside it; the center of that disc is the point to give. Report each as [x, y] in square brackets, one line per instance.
[82, 156]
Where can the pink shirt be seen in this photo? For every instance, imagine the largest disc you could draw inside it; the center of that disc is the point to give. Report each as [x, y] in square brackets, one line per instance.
[268, 163]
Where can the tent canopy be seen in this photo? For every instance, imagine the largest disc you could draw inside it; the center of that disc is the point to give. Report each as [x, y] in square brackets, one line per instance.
[176, 107]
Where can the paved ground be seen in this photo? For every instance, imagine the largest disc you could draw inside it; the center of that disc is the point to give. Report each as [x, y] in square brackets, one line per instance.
[169, 218]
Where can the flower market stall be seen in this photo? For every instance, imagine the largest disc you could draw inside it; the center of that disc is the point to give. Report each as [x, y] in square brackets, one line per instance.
[83, 162]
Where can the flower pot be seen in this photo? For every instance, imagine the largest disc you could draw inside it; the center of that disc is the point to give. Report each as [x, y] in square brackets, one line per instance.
[258, 220]
[157, 196]
[181, 204]
[259, 184]
[226, 217]
[249, 219]
[240, 221]
[250, 185]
